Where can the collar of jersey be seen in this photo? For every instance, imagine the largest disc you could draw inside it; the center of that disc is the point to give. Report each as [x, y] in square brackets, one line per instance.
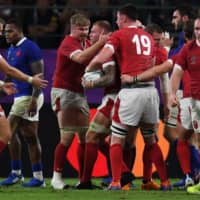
[21, 41]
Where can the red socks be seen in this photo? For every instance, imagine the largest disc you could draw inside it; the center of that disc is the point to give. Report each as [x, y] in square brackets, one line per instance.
[91, 152]
[80, 157]
[183, 154]
[116, 161]
[59, 157]
[153, 154]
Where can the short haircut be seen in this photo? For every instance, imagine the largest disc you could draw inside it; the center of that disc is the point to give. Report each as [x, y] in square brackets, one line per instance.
[185, 10]
[16, 22]
[79, 20]
[188, 29]
[151, 28]
[130, 11]
[104, 24]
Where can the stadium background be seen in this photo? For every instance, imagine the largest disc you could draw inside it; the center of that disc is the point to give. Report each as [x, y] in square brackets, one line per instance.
[157, 11]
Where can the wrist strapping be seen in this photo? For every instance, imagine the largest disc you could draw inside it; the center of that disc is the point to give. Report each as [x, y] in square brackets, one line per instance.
[30, 79]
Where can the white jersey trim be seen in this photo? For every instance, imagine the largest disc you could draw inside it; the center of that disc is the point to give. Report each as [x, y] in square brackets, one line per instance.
[75, 52]
[170, 61]
[110, 63]
[110, 46]
[176, 66]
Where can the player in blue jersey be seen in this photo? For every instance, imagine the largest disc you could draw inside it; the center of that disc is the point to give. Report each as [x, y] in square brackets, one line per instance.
[8, 88]
[25, 55]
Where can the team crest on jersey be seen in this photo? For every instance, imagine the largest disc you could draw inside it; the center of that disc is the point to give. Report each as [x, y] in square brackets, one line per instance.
[193, 60]
[195, 124]
[18, 53]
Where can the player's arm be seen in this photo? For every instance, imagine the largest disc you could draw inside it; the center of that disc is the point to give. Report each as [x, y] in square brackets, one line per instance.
[83, 56]
[37, 67]
[164, 88]
[99, 59]
[175, 80]
[149, 74]
[17, 74]
[105, 80]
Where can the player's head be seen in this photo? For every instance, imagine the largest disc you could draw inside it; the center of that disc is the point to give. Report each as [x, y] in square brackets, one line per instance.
[13, 31]
[180, 15]
[98, 28]
[2, 22]
[188, 29]
[197, 28]
[79, 24]
[126, 14]
[156, 31]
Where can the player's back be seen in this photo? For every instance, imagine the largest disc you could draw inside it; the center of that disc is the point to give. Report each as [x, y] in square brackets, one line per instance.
[134, 48]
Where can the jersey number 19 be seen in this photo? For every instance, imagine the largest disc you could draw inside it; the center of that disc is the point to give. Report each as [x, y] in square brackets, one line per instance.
[143, 44]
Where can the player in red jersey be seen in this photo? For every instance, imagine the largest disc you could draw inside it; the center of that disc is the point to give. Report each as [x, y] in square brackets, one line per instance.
[9, 88]
[99, 128]
[68, 99]
[189, 60]
[136, 105]
[160, 57]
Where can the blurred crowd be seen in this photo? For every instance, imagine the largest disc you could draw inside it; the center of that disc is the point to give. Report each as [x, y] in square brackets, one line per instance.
[47, 21]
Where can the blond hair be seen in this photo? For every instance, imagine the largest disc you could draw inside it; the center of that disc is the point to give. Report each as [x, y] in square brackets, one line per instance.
[79, 20]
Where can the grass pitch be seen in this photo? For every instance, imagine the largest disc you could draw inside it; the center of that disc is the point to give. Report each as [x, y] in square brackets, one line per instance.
[17, 192]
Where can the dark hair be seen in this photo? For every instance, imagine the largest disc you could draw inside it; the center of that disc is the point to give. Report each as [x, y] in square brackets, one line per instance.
[185, 10]
[129, 10]
[151, 28]
[188, 29]
[104, 24]
[16, 22]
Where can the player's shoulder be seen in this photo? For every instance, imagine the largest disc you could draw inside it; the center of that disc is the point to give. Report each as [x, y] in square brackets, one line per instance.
[30, 43]
[189, 45]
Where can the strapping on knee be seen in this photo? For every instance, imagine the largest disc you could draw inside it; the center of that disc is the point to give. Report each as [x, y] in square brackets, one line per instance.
[98, 128]
[73, 129]
[148, 132]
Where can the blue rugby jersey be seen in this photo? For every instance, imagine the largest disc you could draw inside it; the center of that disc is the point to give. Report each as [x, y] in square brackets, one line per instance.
[21, 56]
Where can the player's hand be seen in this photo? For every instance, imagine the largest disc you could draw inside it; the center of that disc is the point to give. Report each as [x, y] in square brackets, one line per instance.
[32, 108]
[38, 81]
[173, 101]
[166, 111]
[103, 38]
[9, 88]
[126, 79]
[87, 84]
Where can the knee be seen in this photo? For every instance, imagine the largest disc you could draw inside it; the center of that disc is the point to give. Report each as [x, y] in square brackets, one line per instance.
[92, 137]
[31, 140]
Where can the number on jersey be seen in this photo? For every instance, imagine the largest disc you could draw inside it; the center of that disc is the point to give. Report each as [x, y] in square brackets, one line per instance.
[143, 44]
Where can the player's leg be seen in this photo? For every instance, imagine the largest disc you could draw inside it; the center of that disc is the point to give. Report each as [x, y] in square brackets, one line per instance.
[95, 134]
[72, 114]
[14, 146]
[29, 130]
[5, 131]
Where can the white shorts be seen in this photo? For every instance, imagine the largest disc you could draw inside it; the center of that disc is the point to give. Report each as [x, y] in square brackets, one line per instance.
[184, 116]
[62, 98]
[107, 105]
[20, 106]
[195, 114]
[135, 105]
[174, 111]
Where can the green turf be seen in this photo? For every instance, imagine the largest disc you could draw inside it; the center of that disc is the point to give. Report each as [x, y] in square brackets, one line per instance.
[16, 192]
